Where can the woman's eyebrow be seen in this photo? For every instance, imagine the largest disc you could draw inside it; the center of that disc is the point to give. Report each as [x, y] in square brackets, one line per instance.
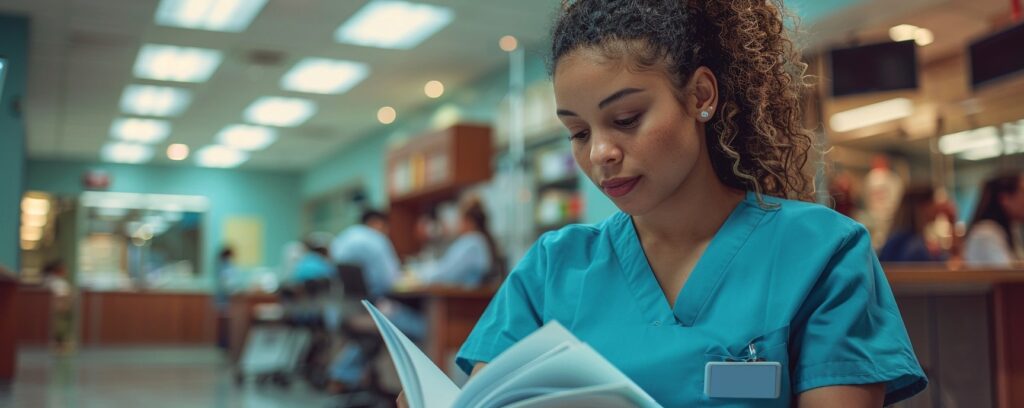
[604, 102]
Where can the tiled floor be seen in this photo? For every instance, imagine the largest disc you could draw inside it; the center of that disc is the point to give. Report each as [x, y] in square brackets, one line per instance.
[151, 378]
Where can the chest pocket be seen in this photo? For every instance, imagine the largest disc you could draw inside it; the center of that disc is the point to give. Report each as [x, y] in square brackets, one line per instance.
[770, 346]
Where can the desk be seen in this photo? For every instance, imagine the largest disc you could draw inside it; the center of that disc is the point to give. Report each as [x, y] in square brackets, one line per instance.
[8, 329]
[973, 312]
[451, 315]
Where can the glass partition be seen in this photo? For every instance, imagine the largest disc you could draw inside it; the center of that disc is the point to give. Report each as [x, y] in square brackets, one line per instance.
[139, 240]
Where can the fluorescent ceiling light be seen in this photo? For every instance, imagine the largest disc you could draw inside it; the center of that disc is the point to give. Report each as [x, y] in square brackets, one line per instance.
[131, 153]
[214, 15]
[246, 137]
[220, 156]
[393, 24]
[139, 130]
[173, 63]
[982, 153]
[959, 142]
[149, 100]
[283, 112]
[324, 76]
[873, 114]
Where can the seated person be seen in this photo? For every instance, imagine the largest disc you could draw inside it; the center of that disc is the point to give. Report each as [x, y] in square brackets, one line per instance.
[907, 241]
[470, 259]
[994, 236]
[314, 264]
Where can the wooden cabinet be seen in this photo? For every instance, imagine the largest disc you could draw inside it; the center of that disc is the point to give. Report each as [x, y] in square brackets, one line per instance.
[433, 168]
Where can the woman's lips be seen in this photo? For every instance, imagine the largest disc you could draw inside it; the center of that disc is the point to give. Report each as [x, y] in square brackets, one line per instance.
[618, 187]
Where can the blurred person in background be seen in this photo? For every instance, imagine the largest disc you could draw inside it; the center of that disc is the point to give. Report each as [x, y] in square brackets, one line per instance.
[314, 264]
[61, 304]
[994, 237]
[225, 273]
[907, 240]
[471, 259]
[367, 245]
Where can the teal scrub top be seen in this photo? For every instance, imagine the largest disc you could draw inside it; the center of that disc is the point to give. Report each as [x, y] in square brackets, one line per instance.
[798, 280]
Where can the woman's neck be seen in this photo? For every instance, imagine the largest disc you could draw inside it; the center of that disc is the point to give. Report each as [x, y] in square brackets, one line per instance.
[694, 213]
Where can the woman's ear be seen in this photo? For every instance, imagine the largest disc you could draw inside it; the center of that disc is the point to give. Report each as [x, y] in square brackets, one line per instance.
[704, 100]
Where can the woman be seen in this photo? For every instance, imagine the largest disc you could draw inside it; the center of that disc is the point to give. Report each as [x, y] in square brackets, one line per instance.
[470, 259]
[687, 115]
[906, 242]
[994, 236]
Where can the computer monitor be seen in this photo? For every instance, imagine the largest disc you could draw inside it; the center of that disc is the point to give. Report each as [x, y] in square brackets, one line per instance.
[997, 56]
[887, 66]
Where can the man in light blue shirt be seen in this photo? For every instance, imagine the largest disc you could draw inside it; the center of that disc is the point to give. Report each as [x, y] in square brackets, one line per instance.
[368, 246]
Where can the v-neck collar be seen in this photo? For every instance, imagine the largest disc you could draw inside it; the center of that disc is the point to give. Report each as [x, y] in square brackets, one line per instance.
[706, 275]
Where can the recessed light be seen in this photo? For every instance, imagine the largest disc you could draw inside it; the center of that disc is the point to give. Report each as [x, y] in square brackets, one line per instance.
[177, 151]
[218, 156]
[277, 111]
[386, 115]
[246, 137]
[324, 76]
[138, 130]
[130, 153]
[393, 24]
[508, 43]
[149, 100]
[434, 89]
[173, 63]
[213, 15]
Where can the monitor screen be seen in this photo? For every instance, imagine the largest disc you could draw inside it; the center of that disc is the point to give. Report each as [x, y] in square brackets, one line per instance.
[997, 56]
[888, 66]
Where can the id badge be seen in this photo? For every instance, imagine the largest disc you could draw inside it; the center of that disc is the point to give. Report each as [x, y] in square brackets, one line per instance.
[742, 379]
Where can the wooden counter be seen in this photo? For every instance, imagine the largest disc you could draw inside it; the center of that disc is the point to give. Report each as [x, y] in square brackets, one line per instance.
[451, 314]
[965, 324]
[120, 318]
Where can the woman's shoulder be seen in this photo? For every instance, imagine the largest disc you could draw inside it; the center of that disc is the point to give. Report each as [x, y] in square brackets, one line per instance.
[809, 219]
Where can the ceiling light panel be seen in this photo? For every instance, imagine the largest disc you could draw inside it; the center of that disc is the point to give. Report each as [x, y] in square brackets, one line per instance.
[130, 153]
[393, 24]
[873, 114]
[149, 100]
[138, 130]
[218, 156]
[277, 111]
[213, 15]
[324, 76]
[179, 64]
[246, 137]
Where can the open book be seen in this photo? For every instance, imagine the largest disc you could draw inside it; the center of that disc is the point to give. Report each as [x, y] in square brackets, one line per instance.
[549, 368]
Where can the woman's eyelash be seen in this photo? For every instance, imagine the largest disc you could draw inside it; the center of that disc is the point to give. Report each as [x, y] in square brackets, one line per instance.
[628, 122]
[579, 135]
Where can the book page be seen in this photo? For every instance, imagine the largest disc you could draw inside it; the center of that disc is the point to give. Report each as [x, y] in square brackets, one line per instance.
[578, 367]
[425, 385]
[602, 396]
[542, 341]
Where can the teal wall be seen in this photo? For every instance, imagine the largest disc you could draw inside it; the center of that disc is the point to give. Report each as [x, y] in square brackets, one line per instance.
[270, 196]
[14, 49]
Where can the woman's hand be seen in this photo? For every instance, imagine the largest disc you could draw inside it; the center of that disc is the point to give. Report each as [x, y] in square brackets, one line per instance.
[400, 401]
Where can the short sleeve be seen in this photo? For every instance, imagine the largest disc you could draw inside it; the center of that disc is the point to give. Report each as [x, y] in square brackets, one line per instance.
[849, 330]
[515, 311]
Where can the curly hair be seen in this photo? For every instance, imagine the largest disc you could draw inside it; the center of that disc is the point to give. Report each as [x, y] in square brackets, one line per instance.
[757, 141]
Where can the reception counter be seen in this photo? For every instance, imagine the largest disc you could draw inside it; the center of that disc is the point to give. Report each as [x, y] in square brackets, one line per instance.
[964, 324]
[111, 318]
